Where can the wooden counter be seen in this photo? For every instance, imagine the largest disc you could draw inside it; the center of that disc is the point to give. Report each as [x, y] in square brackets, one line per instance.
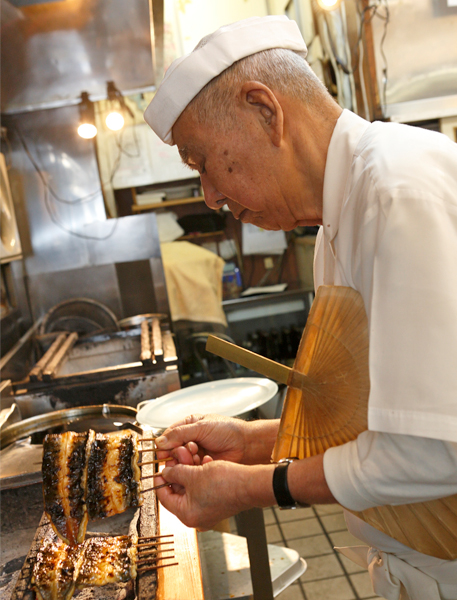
[183, 581]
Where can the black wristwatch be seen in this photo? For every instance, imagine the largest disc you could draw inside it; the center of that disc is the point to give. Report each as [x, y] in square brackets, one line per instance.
[281, 487]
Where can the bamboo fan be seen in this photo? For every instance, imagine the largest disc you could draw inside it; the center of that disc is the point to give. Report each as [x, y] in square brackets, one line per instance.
[326, 405]
[327, 396]
[331, 408]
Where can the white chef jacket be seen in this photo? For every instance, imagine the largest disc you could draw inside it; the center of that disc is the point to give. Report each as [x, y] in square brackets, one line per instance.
[390, 232]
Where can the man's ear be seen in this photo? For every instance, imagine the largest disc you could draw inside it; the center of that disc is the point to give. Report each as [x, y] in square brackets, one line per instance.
[262, 100]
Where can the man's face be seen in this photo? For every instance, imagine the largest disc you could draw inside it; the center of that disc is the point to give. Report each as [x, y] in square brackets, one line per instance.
[239, 168]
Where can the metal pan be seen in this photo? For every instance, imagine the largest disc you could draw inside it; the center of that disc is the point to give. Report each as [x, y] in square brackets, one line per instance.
[24, 428]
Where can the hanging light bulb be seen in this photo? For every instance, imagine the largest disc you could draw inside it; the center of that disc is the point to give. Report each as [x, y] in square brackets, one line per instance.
[86, 129]
[115, 119]
[328, 4]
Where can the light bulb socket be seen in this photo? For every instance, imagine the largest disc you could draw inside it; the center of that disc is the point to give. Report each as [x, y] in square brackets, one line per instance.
[115, 95]
[86, 112]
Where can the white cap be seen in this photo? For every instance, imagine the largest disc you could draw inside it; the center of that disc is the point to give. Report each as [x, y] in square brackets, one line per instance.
[189, 74]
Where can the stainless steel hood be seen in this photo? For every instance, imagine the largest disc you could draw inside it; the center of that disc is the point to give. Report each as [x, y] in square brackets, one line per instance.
[52, 51]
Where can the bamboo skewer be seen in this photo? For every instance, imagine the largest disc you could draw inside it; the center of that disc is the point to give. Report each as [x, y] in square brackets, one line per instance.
[147, 439]
[150, 476]
[156, 553]
[152, 559]
[145, 569]
[156, 487]
[148, 545]
[152, 537]
[155, 461]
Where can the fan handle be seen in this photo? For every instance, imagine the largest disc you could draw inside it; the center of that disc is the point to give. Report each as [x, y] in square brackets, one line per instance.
[255, 362]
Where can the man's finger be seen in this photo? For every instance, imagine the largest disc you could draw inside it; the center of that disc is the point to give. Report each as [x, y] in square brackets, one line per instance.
[192, 447]
[183, 456]
[179, 435]
[177, 474]
[186, 421]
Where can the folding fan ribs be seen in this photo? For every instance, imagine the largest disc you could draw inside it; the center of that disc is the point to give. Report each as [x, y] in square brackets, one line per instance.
[328, 387]
[327, 398]
[326, 405]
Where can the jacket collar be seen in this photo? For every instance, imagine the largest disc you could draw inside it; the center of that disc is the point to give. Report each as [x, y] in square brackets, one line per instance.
[347, 133]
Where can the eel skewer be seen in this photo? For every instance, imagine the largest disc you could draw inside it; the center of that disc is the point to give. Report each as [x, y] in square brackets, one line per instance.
[89, 476]
[60, 569]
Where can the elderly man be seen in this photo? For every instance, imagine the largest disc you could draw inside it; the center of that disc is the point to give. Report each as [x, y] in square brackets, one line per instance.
[268, 141]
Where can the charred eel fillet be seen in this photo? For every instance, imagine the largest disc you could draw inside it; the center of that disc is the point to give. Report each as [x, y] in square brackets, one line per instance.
[107, 560]
[53, 575]
[88, 475]
[64, 484]
[59, 568]
[113, 475]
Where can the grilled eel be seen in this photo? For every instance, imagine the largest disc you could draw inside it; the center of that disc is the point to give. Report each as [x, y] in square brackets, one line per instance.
[107, 560]
[60, 568]
[53, 575]
[113, 474]
[88, 476]
[64, 471]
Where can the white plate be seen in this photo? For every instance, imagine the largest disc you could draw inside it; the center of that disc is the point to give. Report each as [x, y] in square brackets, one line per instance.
[228, 397]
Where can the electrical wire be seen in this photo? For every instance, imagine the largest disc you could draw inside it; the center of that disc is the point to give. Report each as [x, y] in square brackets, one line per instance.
[373, 10]
[88, 198]
[55, 220]
[48, 191]
[384, 57]
[118, 138]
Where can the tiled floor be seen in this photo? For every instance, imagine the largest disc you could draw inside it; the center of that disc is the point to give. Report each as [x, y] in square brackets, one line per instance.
[313, 532]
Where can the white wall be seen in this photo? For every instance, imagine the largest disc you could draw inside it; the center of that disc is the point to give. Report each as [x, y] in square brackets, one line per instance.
[421, 50]
[197, 18]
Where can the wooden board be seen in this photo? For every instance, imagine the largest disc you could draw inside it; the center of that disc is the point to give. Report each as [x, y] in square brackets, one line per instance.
[147, 523]
[183, 581]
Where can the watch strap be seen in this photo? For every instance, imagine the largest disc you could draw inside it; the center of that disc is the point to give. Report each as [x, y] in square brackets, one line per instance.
[281, 487]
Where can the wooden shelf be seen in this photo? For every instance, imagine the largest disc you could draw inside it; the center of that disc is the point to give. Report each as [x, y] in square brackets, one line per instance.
[177, 202]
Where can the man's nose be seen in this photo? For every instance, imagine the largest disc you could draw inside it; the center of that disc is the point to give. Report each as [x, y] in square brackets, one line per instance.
[211, 194]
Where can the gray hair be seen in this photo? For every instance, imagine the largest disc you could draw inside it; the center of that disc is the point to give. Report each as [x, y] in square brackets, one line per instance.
[282, 70]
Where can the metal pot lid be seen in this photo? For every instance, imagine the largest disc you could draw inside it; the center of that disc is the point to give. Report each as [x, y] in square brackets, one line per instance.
[27, 427]
[83, 315]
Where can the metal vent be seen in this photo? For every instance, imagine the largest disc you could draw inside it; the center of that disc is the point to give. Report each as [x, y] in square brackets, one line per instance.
[52, 51]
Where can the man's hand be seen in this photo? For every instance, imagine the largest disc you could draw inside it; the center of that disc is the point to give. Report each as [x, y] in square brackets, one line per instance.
[221, 438]
[203, 495]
